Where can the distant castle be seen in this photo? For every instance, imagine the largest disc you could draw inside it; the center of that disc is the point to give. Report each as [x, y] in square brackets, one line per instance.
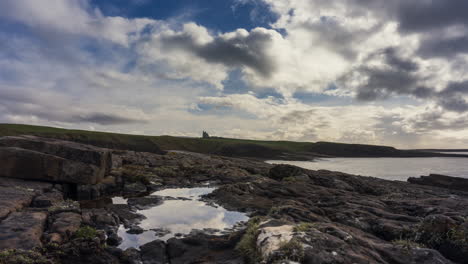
[205, 135]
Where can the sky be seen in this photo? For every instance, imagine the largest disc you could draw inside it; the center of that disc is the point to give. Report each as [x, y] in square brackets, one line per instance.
[388, 72]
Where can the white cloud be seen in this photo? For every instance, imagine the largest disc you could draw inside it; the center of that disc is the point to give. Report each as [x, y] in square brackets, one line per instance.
[154, 77]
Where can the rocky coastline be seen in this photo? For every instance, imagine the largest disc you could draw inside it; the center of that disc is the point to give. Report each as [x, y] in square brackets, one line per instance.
[56, 207]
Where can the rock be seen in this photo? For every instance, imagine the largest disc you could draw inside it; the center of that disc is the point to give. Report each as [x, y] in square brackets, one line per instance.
[142, 203]
[134, 188]
[154, 252]
[125, 214]
[22, 230]
[90, 251]
[100, 218]
[54, 238]
[32, 165]
[442, 181]
[203, 248]
[270, 239]
[160, 232]
[99, 157]
[47, 199]
[282, 171]
[66, 224]
[14, 199]
[65, 206]
[113, 239]
[135, 230]
[107, 186]
[131, 256]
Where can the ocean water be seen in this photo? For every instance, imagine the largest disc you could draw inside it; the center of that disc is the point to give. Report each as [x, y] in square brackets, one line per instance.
[388, 168]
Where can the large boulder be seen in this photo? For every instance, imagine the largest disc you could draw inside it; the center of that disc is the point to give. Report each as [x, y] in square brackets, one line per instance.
[99, 157]
[32, 165]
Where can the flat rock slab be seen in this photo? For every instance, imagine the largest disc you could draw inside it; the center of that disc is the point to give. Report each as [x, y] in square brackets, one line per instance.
[13, 199]
[22, 230]
[32, 165]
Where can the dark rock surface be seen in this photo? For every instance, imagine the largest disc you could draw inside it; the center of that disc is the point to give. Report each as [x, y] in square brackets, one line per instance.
[298, 215]
[32, 165]
[154, 253]
[142, 203]
[22, 230]
[442, 181]
[202, 248]
[69, 150]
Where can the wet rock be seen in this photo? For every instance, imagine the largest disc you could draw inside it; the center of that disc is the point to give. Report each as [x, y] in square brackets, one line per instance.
[142, 203]
[22, 230]
[135, 230]
[160, 232]
[442, 181]
[113, 239]
[154, 253]
[126, 215]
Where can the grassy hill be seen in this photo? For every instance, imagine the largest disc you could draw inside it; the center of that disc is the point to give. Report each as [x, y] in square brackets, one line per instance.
[221, 146]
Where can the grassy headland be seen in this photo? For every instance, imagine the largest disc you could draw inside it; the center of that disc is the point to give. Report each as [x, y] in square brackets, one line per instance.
[222, 146]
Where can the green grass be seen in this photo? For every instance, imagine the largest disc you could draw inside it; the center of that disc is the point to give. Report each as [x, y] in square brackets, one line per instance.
[213, 145]
[86, 232]
[247, 246]
[304, 227]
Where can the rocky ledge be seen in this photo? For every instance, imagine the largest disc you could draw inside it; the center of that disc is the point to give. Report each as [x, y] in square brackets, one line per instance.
[297, 215]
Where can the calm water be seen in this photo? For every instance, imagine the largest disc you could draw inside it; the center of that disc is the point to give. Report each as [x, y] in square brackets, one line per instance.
[180, 216]
[388, 168]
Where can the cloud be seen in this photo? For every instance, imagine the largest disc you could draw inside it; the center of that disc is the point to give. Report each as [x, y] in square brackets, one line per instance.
[385, 73]
[423, 15]
[237, 49]
[68, 64]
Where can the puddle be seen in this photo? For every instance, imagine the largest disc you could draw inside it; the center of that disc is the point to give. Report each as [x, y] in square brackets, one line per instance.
[180, 217]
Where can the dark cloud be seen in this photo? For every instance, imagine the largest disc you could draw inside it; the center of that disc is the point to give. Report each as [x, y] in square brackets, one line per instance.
[398, 76]
[437, 47]
[337, 37]
[239, 51]
[425, 15]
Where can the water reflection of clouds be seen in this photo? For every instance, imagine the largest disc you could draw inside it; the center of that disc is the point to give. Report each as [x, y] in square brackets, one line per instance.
[184, 192]
[181, 216]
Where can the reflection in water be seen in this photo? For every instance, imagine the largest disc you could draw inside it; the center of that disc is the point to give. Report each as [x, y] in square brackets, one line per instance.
[180, 216]
[388, 168]
[185, 192]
